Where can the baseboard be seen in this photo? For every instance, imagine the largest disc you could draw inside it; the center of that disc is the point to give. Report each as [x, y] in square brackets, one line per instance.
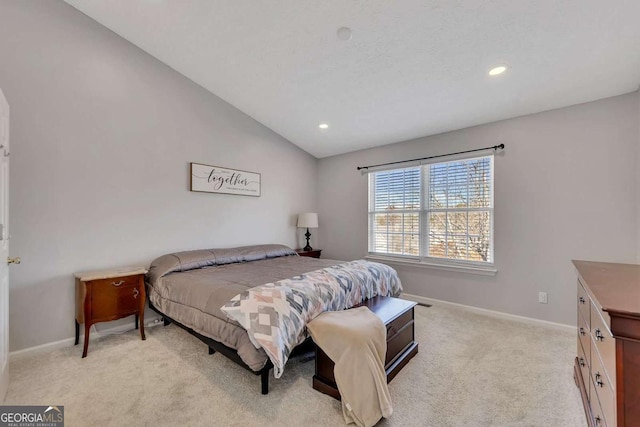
[69, 342]
[492, 313]
[39, 349]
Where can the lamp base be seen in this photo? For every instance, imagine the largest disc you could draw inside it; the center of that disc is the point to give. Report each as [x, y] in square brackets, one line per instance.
[307, 248]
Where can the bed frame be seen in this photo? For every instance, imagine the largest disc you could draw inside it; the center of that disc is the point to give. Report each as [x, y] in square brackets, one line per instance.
[305, 348]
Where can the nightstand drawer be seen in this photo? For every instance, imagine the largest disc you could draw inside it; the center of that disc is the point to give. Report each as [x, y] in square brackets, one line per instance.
[114, 283]
[111, 303]
[314, 253]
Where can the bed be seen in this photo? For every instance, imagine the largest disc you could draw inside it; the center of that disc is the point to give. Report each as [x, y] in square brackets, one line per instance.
[196, 289]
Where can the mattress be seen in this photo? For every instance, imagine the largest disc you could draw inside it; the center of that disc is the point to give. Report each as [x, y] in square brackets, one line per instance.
[191, 287]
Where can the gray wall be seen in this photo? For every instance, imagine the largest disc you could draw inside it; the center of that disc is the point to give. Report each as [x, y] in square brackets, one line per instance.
[565, 188]
[101, 136]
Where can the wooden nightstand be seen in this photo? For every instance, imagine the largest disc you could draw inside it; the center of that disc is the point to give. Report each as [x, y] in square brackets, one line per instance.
[314, 253]
[107, 295]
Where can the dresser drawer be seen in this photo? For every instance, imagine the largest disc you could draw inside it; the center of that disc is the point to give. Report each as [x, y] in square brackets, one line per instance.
[584, 336]
[603, 343]
[603, 388]
[598, 416]
[583, 361]
[112, 299]
[584, 305]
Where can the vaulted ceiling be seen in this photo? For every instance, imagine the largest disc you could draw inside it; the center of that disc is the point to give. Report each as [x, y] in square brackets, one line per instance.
[411, 68]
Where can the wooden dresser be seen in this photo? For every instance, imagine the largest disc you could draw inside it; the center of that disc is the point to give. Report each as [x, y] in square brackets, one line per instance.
[607, 366]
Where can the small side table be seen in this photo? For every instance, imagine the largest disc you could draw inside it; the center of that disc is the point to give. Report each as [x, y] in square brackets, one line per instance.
[107, 295]
[314, 253]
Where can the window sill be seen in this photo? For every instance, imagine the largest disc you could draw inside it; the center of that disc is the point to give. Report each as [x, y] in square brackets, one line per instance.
[471, 269]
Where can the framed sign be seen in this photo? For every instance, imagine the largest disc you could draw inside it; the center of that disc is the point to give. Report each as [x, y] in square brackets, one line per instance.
[214, 179]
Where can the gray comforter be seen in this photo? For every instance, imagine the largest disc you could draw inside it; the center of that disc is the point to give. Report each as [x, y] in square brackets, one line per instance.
[191, 287]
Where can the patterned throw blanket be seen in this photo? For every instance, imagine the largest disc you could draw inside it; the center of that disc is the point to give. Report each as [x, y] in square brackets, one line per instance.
[275, 314]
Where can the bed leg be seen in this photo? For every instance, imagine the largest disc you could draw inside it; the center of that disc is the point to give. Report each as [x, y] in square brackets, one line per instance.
[166, 321]
[264, 379]
[211, 350]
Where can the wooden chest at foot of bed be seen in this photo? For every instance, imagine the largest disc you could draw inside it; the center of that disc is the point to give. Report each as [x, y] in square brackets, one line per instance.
[397, 315]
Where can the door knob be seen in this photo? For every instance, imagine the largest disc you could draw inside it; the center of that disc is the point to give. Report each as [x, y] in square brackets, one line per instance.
[15, 260]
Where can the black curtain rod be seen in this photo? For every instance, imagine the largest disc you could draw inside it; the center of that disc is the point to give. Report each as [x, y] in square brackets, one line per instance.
[495, 147]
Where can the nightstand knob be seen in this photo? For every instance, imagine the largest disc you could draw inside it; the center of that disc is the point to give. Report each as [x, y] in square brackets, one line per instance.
[121, 282]
[136, 292]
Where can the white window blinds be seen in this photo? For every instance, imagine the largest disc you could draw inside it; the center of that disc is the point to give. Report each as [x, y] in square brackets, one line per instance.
[439, 210]
[394, 212]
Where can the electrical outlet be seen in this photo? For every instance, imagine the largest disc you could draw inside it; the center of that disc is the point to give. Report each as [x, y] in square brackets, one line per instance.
[542, 298]
[155, 322]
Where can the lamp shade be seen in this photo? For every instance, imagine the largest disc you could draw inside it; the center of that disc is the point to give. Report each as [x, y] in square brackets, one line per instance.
[308, 220]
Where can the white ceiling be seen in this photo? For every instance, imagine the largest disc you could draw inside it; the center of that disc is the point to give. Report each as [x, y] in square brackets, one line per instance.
[412, 68]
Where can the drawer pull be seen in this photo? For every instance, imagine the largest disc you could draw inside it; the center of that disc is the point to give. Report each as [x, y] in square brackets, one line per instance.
[599, 382]
[121, 282]
[599, 335]
[598, 421]
[581, 299]
[582, 364]
[136, 292]
[582, 332]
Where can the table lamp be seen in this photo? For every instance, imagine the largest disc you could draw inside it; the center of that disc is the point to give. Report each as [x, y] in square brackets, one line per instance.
[308, 220]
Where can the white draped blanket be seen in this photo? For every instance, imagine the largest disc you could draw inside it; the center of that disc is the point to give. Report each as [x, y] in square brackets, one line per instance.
[356, 341]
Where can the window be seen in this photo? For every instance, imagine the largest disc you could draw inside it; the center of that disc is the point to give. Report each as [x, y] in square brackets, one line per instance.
[438, 211]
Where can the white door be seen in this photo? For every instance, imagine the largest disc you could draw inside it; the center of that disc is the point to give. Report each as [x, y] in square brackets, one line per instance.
[4, 246]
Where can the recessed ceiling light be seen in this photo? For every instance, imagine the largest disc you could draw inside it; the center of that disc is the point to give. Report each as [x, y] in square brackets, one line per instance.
[323, 126]
[344, 33]
[497, 70]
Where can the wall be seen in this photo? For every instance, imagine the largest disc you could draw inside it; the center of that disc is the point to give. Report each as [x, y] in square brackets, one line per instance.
[565, 188]
[101, 136]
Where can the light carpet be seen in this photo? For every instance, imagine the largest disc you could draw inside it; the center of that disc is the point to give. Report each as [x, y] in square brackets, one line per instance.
[472, 370]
